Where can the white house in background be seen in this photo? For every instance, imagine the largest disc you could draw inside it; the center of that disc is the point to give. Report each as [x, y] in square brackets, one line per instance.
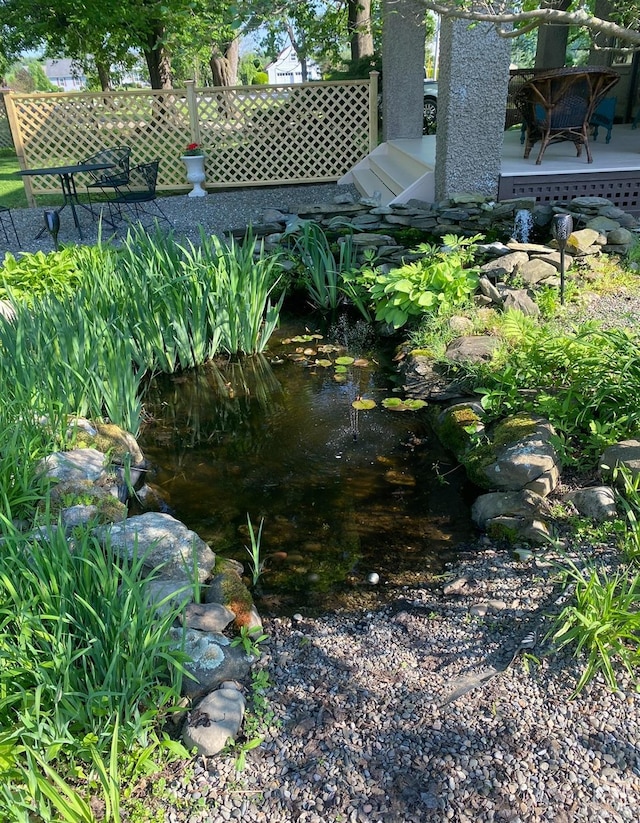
[286, 68]
[67, 75]
[64, 74]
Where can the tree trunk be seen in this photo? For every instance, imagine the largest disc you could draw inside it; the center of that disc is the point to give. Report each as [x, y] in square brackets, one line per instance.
[224, 63]
[157, 59]
[104, 75]
[551, 51]
[300, 51]
[359, 27]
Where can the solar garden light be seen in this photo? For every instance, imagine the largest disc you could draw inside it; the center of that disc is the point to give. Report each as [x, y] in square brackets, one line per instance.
[561, 228]
[52, 225]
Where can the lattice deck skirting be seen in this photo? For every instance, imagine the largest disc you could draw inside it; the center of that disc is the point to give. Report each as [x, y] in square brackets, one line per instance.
[621, 187]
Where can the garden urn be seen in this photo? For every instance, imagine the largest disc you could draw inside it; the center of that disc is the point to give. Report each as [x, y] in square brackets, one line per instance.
[195, 173]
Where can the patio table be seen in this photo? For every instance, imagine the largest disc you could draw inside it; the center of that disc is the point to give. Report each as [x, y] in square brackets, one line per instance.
[67, 182]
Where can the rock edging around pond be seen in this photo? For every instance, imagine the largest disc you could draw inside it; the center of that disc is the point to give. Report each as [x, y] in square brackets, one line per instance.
[183, 573]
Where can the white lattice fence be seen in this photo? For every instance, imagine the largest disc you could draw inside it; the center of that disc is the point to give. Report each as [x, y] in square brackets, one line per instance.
[252, 135]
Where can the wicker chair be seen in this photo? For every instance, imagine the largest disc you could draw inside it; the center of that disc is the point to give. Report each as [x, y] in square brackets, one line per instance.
[559, 105]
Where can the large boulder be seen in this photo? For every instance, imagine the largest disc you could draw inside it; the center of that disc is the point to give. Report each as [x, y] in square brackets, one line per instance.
[165, 543]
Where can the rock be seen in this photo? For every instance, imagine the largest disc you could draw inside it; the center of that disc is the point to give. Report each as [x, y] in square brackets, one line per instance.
[207, 617]
[597, 502]
[226, 587]
[626, 454]
[535, 270]
[75, 464]
[457, 587]
[215, 719]
[523, 504]
[7, 311]
[580, 242]
[514, 529]
[620, 237]
[524, 456]
[424, 382]
[476, 349]
[489, 290]
[111, 440]
[508, 264]
[460, 325]
[163, 594]
[163, 542]
[603, 225]
[212, 660]
[520, 300]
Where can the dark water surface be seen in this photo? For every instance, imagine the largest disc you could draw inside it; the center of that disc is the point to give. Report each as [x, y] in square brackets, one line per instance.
[343, 493]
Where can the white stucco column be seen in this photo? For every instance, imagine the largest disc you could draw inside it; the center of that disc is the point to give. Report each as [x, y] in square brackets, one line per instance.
[472, 98]
[403, 38]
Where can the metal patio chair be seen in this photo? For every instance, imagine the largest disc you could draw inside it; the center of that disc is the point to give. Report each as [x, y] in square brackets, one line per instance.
[113, 178]
[6, 220]
[140, 193]
[558, 105]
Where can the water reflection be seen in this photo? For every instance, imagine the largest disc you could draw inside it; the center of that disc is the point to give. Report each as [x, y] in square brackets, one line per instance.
[276, 438]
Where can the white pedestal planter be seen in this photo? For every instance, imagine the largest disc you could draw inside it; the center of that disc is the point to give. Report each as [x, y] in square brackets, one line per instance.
[195, 173]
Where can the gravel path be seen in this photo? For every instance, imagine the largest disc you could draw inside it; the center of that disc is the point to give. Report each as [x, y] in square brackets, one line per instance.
[216, 213]
[364, 727]
[362, 730]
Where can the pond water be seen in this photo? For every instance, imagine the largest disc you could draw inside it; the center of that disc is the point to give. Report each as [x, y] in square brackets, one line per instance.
[344, 493]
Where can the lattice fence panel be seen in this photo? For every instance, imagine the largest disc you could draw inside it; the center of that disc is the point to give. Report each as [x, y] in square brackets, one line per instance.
[64, 128]
[6, 141]
[277, 134]
[254, 135]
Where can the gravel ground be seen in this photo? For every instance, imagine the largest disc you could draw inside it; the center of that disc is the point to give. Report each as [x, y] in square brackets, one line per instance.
[216, 213]
[383, 714]
[413, 708]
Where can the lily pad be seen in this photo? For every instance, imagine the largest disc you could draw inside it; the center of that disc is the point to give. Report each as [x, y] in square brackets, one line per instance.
[360, 362]
[340, 378]
[341, 369]
[363, 404]
[395, 404]
[324, 363]
[345, 361]
[302, 338]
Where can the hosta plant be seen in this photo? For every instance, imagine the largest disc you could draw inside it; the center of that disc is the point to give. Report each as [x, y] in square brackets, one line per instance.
[431, 285]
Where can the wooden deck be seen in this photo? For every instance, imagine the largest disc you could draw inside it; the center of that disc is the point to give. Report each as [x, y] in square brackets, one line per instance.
[614, 172]
[402, 169]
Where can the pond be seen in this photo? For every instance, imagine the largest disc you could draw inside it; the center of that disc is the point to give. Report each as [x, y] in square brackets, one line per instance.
[346, 494]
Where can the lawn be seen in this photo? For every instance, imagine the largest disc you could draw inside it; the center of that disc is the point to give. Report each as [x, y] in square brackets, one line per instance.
[11, 188]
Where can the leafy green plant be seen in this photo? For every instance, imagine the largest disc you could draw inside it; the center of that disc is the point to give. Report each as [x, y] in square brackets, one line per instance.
[431, 285]
[250, 639]
[257, 564]
[326, 288]
[602, 621]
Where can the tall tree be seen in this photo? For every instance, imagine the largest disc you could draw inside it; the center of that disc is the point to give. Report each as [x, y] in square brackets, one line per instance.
[359, 27]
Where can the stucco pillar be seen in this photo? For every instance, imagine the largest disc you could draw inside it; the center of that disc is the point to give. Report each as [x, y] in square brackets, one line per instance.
[403, 38]
[472, 98]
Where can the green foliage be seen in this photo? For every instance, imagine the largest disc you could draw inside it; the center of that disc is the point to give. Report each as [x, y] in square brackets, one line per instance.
[250, 639]
[602, 620]
[431, 285]
[87, 667]
[585, 382]
[56, 274]
[260, 78]
[324, 268]
[257, 564]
